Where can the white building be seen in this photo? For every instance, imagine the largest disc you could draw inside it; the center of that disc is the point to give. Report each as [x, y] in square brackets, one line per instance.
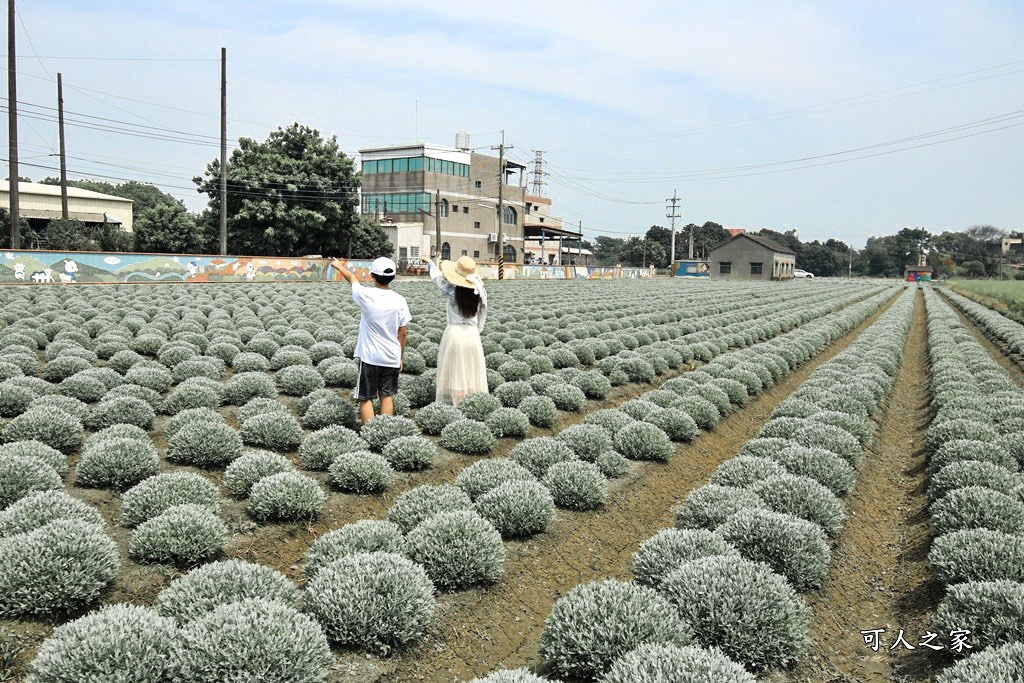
[39, 204]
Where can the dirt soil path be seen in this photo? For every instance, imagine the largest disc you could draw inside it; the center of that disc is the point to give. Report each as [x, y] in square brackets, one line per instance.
[880, 576]
[482, 629]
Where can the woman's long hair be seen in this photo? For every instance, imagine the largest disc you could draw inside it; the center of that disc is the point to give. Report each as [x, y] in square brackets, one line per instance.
[467, 301]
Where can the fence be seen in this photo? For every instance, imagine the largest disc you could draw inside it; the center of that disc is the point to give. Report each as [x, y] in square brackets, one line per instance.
[94, 267]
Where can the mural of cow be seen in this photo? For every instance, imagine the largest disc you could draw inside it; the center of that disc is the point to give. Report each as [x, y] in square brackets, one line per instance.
[19, 271]
[42, 276]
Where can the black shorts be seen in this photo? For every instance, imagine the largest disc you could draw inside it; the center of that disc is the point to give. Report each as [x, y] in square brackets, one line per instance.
[375, 381]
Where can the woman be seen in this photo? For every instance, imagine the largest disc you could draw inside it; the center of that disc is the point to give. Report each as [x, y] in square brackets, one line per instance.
[460, 360]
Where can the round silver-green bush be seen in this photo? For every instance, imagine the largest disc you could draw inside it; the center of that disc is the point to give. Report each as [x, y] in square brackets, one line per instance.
[436, 416]
[14, 399]
[383, 429]
[508, 423]
[704, 413]
[423, 502]
[467, 436]
[540, 453]
[612, 464]
[328, 412]
[186, 396]
[966, 473]
[42, 507]
[643, 441]
[540, 410]
[59, 566]
[819, 464]
[956, 429]
[206, 588]
[341, 374]
[576, 484]
[277, 431]
[763, 447]
[247, 361]
[205, 444]
[115, 643]
[673, 664]
[410, 453]
[132, 391]
[285, 358]
[802, 497]
[152, 496]
[611, 419]
[376, 600]
[182, 534]
[48, 425]
[243, 472]
[319, 449]
[999, 663]
[484, 475]
[745, 470]
[511, 676]
[675, 422]
[364, 536]
[192, 415]
[993, 611]
[511, 394]
[116, 463]
[517, 508]
[639, 409]
[710, 505]
[478, 406]
[792, 547]
[751, 613]
[245, 386]
[360, 472]
[567, 397]
[36, 449]
[251, 640]
[69, 405]
[457, 549]
[157, 379]
[976, 507]
[596, 623]
[977, 555]
[669, 549]
[587, 440]
[286, 496]
[299, 380]
[962, 450]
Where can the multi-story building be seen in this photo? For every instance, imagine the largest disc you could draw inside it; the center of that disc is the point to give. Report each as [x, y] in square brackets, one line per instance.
[408, 187]
[549, 240]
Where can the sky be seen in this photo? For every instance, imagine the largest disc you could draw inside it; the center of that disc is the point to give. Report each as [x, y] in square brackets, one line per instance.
[835, 119]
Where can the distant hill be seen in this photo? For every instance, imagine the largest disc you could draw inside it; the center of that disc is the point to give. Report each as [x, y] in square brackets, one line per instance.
[153, 266]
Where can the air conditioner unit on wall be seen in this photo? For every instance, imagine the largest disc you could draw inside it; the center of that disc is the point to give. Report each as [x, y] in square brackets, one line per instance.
[492, 237]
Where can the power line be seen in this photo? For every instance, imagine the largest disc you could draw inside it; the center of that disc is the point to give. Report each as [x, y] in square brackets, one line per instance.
[128, 59]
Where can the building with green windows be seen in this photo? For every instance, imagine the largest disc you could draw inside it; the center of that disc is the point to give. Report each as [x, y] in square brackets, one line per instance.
[408, 186]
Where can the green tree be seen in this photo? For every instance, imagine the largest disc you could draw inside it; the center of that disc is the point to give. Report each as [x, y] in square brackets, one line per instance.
[168, 228]
[293, 194]
[640, 252]
[661, 236]
[606, 249]
[28, 235]
[67, 235]
[974, 269]
[369, 240]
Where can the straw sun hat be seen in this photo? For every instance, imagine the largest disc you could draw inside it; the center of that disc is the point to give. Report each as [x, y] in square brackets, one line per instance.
[462, 273]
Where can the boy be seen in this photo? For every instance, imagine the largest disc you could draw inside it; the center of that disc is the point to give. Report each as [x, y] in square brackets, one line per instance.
[381, 342]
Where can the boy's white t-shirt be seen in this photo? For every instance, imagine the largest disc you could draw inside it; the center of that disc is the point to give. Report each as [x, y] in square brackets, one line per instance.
[384, 311]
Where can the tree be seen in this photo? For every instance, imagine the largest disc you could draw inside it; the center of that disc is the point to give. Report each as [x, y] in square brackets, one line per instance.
[67, 235]
[293, 194]
[369, 240]
[28, 235]
[606, 249]
[168, 228]
[656, 234]
[639, 252]
[974, 269]
[820, 260]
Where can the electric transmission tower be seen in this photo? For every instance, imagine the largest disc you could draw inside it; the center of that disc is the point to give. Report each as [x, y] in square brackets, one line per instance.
[538, 173]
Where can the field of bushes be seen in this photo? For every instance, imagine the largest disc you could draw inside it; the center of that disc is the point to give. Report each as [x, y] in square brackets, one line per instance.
[186, 495]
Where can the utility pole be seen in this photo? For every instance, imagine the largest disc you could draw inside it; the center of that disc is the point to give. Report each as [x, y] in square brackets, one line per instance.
[12, 127]
[645, 253]
[501, 205]
[437, 225]
[672, 214]
[224, 151]
[849, 268]
[538, 173]
[63, 156]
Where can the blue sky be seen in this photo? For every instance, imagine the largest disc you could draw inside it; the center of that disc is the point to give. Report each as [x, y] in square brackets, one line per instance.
[629, 100]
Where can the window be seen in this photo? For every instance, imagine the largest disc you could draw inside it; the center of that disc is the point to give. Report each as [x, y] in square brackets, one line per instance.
[405, 202]
[725, 267]
[444, 208]
[403, 253]
[476, 253]
[369, 167]
[414, 252]
[415, 163]
[755, 268]
[446, 252]
[465, 209]
[509, 217]
[384, 166]
[465, 253]
[510, 254]
[477, 184]
[400, 165]
[455, 208]
[476, 224]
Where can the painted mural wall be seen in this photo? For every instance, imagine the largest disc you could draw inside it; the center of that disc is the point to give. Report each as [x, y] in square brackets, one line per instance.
[91, 267]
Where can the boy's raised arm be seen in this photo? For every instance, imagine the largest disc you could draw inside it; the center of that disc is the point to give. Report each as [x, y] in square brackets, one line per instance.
[345, 272]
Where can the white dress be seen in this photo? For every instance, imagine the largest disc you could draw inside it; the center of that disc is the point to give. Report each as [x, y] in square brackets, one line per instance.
[461, 370]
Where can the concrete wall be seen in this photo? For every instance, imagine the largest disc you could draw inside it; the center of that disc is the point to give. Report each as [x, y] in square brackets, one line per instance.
[741, 253]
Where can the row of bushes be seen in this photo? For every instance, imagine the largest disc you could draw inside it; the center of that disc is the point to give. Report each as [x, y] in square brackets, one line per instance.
[602, 628]
[976, 449]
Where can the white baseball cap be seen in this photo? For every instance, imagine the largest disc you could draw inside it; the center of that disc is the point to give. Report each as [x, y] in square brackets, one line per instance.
[383, 266]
